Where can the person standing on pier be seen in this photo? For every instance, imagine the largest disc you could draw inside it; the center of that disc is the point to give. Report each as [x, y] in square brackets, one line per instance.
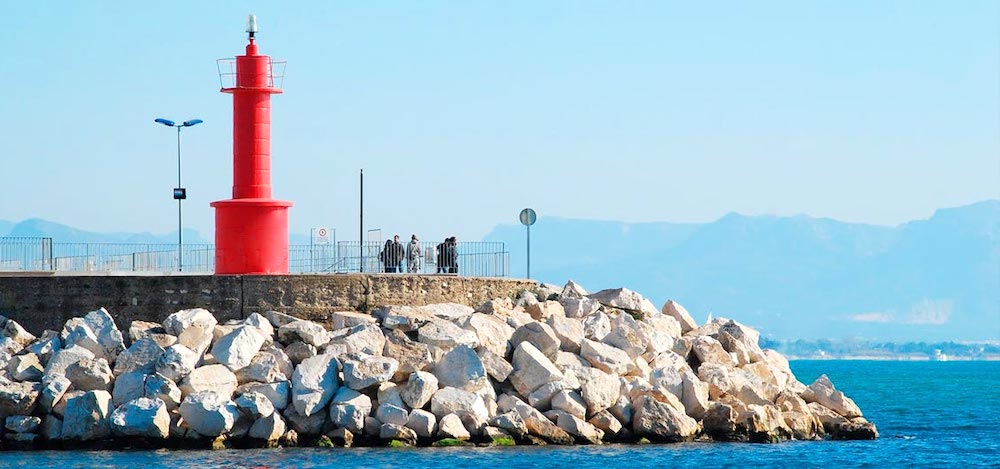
[413, 255]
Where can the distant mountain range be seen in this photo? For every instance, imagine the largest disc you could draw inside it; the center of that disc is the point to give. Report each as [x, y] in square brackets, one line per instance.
[38, 228]
[792, 277]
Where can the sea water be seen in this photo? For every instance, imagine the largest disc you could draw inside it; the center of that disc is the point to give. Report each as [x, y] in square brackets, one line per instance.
[932, 414]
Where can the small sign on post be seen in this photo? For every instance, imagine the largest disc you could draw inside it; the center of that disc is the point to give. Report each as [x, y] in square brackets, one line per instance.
[528, 218]
[321, 235]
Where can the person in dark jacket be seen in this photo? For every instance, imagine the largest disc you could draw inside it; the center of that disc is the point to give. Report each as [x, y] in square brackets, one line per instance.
[388, 257]
[440, 257]
[398, 254]
[453, 256]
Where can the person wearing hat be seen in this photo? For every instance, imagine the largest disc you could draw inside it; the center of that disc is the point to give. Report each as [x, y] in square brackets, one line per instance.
[413, 255]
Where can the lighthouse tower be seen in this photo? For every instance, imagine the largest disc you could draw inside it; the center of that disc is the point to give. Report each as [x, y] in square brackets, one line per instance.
[251, 229]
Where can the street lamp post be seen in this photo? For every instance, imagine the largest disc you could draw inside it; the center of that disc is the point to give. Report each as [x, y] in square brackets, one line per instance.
[180, 193]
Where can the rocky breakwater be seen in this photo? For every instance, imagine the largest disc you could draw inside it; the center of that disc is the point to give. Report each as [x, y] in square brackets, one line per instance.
[570, 368]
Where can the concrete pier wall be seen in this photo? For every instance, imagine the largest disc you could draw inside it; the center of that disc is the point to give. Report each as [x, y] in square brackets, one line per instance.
[46, 301]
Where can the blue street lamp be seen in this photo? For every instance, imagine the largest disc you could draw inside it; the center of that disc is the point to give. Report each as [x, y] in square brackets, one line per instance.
[180, 193]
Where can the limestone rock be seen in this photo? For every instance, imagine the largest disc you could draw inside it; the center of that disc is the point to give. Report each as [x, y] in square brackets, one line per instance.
[209, 413]
[748, 337]
[709, 350]
[456, 401]
[344, 319]
[314, 382]
[216, 378]
[675, 310]
[579, 308]
[765, 424]
[419, 389]
[828, 418]
[823, 393]
[193, 328]
[52, 392]
[45, 346]
[539, 335]
[661, 421]
[176, 362]
[269, 428]
[495, 365]
[349, 408]
[305, 331]
[461, 368]
[254, 404]
[279, 319]
[90, 374]
[238, 348]
[446, 335]
[127, 387]
[106, 332]
[571, 403]
[298, 351]
[25, 367]
[141, 356]
[86, 416]
[263, 326]
[143, 417]
[694, 395]
[390, 431]
[492, 332]
[277, 392]
[423, 423]
[403, 318]
[510, 422]
[623, 298]
[22, 423]
[572, 290]
[596, 326]
[267, 366]
[162, 388]
[389, 413]
[600, 391]
[51, 428]
[18, 398]
[366, 338]
[77, 332]
[451, 426]
[626, 335]
[607, 358]
[368, 371]
[720, 423]
[140, 329]
[607, 423]
[412, 356]
[11, 329]
[62, 359]
[532, 369]
[582, 431]
[569, 331]
[539, 425]
[542, 311]
[857, 429]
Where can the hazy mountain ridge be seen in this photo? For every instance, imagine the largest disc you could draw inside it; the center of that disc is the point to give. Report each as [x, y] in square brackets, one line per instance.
[38, 228]
[795, 277]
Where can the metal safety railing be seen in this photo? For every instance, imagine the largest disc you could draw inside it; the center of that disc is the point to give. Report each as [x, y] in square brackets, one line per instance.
[227, 73]
[479, 259]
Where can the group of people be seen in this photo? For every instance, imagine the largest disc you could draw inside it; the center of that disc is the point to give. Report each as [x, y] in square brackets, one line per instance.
[393, 254]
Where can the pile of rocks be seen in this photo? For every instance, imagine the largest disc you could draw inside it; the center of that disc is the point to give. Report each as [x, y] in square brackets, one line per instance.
[570, 368]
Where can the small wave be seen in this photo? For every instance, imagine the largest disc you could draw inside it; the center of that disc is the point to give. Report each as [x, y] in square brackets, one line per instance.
[905, 437]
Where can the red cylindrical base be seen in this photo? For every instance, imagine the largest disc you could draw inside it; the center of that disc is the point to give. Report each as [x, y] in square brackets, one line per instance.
[251, 236]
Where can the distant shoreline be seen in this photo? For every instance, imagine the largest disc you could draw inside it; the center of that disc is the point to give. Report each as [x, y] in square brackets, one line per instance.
[894, 358]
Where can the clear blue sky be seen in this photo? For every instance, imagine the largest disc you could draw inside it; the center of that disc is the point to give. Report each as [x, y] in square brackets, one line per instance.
[462, 113]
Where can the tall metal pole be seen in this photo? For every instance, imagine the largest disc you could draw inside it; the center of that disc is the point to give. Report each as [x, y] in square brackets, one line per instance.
[180, 238]
[529, 251]
[361, 225]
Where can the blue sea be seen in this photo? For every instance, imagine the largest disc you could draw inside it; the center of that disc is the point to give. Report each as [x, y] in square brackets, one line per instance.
[929, 414]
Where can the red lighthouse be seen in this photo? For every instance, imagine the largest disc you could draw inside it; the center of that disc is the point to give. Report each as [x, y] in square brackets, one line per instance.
[251, 229]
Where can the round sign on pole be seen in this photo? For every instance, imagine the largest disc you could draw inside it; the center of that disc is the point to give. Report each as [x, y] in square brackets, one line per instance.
[528, 217]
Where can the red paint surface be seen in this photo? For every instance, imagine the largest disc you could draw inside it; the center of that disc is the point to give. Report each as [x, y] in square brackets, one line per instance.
[251, 229]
